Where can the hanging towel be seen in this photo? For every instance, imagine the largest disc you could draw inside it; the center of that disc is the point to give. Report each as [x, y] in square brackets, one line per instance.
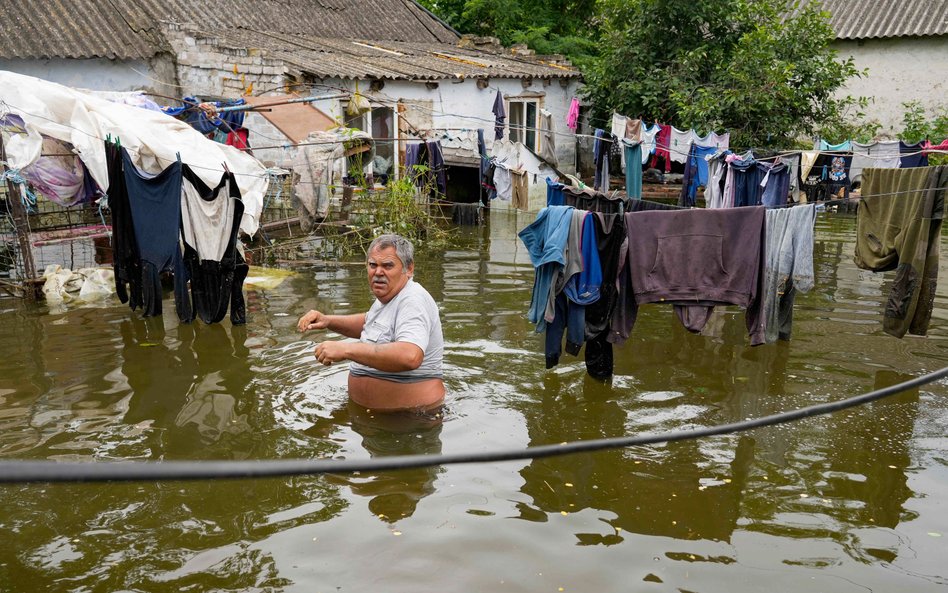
[633, 169]
[547, 140]
[841, 147]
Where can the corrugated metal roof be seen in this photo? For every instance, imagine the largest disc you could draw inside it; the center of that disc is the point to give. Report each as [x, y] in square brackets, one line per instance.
[362, 59]
[878, 19]
[73, 29]
[130, 29]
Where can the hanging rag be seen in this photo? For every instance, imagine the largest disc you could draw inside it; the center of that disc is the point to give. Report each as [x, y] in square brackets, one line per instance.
[547, 138]
[898, 227]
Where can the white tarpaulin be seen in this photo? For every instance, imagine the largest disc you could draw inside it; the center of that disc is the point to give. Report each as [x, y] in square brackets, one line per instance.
[152, 139]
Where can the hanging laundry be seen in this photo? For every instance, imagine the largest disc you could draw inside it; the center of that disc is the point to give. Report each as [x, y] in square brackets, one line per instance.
[520, 192]
[547, 140]
[575, 285]
[649, 135]
[545, 239]
[436, 166]
[238, 138]
[928, 146]
[500, 116]
[680, 144]
[572, 116]
[878, 155]
[662, 147]
[714, 190]
[610, 235]
[488, 192]
[126, 259]
[714, 140]
[503, 182]
[834, 175]
[601, 148]
[793, 164]
[742, 187]
[774, 183]
[198, 118]
[844, 146]
[696, 174]
[633, 169]
[898, 227]
[695, 260]
[156, 215]
[593, 201]
[912, 155]
[788, 266]
[216, 270]
[554, 193]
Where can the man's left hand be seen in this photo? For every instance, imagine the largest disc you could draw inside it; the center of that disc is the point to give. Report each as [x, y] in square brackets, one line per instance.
[330, 352]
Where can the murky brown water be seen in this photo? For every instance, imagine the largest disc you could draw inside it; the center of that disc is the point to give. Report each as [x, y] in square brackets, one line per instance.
[849, 502]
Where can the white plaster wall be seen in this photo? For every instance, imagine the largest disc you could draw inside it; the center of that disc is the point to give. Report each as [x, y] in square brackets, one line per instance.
[460, 104]
[900, 70]
[100, 74]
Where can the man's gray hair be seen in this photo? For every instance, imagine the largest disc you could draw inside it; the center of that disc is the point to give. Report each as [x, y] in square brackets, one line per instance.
[403, 247]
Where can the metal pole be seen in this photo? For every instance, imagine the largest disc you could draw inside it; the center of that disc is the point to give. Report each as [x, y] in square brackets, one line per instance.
[281, 102]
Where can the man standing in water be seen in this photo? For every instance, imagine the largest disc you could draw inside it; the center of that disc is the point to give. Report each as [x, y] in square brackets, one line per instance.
[396, 364]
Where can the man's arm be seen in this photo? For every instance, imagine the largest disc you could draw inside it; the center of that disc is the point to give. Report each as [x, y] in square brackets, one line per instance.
[390, 358]
[347, 325]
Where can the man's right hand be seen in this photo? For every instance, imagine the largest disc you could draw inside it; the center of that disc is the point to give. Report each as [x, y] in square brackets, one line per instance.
[313, 320]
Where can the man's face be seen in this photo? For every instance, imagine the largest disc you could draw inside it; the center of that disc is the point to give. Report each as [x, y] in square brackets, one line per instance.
[387, 275]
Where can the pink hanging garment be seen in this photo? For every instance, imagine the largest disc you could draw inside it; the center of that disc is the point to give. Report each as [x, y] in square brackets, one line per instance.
[572, 117]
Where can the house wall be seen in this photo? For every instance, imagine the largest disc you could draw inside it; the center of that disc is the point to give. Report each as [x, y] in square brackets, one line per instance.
[101, 74]
[452, 110]
[900, 69]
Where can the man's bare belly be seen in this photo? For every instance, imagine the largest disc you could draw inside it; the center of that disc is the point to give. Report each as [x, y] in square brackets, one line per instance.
[379, 394]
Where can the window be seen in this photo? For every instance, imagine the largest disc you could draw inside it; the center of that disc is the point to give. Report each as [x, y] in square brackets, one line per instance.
[522, 121]
[380, 124]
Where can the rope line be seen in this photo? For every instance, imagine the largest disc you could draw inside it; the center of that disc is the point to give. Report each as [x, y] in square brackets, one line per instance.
[18, 471]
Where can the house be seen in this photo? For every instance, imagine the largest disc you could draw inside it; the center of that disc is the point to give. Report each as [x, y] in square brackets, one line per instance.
[422, 79]
[904, 46]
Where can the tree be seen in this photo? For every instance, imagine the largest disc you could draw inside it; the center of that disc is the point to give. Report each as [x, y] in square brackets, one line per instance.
[762, 69]
[567, 27]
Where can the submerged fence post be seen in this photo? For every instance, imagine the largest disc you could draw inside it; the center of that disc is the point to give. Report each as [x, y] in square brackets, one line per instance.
[21, 225]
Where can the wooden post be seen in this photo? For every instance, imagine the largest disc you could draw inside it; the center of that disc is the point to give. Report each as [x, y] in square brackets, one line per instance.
[22, 224]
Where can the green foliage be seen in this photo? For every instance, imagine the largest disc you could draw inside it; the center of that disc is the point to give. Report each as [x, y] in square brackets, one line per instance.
[567, 27]
[847, 122]
[918, 126]
[741, 65]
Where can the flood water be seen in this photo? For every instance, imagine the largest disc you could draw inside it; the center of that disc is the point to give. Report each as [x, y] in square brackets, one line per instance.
[854, 501]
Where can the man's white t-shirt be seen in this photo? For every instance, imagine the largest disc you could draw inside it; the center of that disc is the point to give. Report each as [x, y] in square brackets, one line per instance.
[413, 317]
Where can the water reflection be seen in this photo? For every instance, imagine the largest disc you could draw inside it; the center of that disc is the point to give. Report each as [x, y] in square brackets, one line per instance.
[194, 385]
[652, 491]
[392, 495]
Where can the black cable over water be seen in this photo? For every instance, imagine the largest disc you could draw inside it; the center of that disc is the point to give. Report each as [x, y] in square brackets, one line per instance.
[53, 471]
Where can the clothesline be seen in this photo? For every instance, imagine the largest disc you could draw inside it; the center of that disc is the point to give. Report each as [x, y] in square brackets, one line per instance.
[287, 146]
